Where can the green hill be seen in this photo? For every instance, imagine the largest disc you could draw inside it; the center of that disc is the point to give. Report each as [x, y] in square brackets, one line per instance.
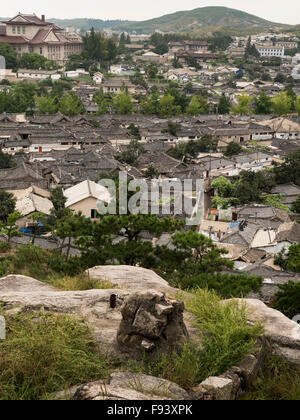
[86, 24]
[205, 18]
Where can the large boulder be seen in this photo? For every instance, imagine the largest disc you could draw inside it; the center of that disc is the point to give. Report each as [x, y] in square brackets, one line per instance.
[129, 278]
[129, 386]
[18, 284]
[151, 322]
[283, 333]
[100, 308]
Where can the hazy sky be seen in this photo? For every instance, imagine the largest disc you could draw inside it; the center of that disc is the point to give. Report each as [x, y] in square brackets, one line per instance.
[283, 11]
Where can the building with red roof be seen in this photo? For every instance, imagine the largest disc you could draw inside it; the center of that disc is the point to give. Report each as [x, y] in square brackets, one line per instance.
[31, 34]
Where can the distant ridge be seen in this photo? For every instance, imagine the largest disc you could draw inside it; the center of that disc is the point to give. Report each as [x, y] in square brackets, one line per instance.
[205, 18]
[202, 20]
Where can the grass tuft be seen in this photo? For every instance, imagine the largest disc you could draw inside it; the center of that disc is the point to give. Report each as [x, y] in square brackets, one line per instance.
[45, 353]
[278, 382]
[80, 282]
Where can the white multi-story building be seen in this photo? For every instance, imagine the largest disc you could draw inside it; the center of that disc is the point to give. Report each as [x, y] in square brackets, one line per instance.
[270, 51]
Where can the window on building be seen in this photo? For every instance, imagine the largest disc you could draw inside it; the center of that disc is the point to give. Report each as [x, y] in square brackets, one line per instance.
[19, 29]
[24, 30]
[14, 30]
[94, 214]
[41, 50]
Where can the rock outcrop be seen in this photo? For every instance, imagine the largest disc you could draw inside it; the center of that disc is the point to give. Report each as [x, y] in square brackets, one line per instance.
[138, 316]
[151, 322]
[128, 386]
[282, 333]
[22, 284]
[130, 278]
[102, 310]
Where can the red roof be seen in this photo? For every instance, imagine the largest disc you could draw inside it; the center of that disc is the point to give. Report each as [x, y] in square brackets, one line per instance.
[13, 40]
[29, 20]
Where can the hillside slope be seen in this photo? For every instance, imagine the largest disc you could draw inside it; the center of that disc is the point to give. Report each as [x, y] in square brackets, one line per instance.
[205, 17]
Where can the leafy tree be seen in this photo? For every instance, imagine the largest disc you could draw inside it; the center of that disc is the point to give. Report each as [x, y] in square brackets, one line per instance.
[225, 285]
[151, 70]
[296, 206]
[72, 226]
[275, 200]
[122, 43]
[280, 78]
[151, 172]
[101, 101]
[10, 55]
[36, 219]
[262, 104]
[290, 92]
[219, 41]
[47, 104]
[6, 160]
[130, 249]
[20, 98]
[71, 105]
[205, 144]
[192, 254]
[97, 48]
[198, 105]
[9, 227]
[287, 300]
[181, 99]
[139, 80]
[173, 128]
[122, 104]
[167, 107]
[233, 149]
[7, 205]
[244, 105]
[282, 104]
[289, 170]
[150, 106]
[250, 185]
[135, 131]
[297, 105]
[36, 62]
[131, 153]
[251, 50]
[223, 186]
[160, 43]
[59, 210]
[224, 105]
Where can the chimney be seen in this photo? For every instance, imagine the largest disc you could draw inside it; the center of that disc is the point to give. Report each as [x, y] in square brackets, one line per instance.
[43, 18]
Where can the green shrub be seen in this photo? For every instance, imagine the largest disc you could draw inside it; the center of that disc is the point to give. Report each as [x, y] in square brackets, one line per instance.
[44, 353]
[4, 265]
[32, 261]
[80, 282]
[226, 285]
[5, 247]
[60, 264]
[279, 381]
[225, 339]
[287, 300]
[291, 261]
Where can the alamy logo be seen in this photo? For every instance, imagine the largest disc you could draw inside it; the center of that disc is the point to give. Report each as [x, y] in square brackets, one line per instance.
[2, 328]
[166, 197]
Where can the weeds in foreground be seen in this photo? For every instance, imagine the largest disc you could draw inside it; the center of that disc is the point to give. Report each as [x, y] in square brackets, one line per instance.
[225, 339]
[44, 353]
[79, 282]
[279, 381]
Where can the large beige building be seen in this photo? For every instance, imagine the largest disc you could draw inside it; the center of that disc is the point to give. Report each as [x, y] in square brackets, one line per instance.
[31, 34]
